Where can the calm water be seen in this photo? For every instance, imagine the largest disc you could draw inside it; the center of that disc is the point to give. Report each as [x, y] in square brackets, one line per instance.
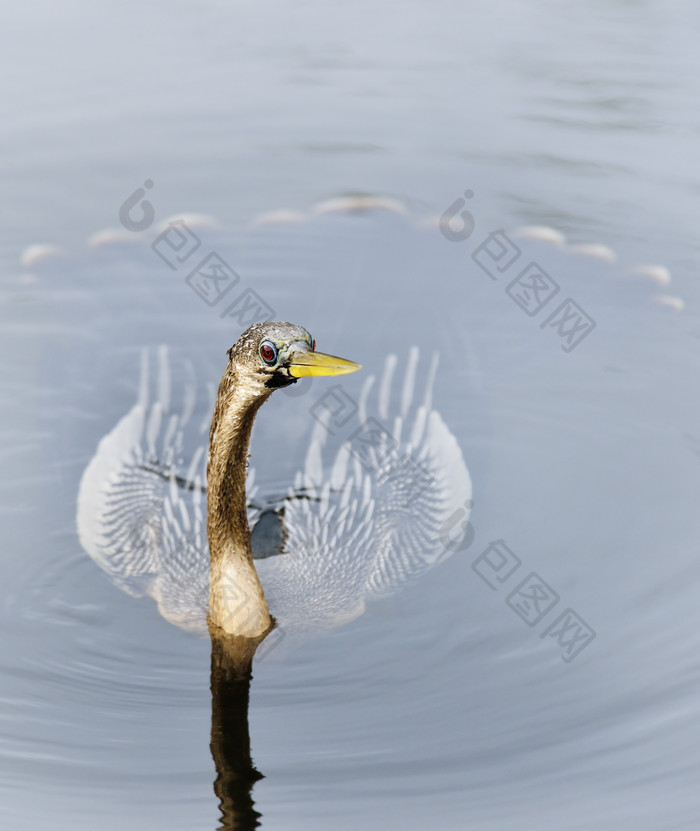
[440, 706]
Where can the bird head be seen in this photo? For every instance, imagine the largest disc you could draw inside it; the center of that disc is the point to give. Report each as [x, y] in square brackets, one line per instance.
[272, 355]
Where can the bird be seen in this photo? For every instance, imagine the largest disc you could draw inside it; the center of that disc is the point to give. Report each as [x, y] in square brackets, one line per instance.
[353, 527]
[265, 358]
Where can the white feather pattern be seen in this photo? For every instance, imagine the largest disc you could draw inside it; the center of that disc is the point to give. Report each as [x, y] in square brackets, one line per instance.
[367, 523]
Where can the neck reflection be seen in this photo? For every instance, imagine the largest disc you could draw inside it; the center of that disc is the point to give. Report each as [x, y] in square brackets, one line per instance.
[231, 673]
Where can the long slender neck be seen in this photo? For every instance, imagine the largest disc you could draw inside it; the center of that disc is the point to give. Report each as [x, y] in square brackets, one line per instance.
[236, 600]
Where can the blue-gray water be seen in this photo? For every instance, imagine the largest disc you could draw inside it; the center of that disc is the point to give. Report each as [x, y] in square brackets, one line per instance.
[440, 706]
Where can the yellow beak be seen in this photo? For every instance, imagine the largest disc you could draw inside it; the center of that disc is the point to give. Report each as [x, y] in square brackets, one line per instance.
[305, 363]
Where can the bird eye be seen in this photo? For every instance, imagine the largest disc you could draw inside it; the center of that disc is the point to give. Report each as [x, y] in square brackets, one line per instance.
[313, 346]
[268, 352]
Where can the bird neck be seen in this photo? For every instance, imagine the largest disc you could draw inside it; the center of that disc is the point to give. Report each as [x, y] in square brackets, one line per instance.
[236, 600]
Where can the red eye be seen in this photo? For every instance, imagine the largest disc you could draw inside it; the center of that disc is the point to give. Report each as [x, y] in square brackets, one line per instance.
[314, 346]
[268, 352]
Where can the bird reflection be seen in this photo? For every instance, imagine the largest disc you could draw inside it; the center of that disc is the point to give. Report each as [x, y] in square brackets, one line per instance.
[231, 674]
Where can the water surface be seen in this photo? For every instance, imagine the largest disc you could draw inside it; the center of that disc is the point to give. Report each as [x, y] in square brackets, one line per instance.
[440, 705]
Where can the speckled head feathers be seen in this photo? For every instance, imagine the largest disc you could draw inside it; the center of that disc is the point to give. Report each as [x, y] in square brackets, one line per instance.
[276, 354]
[246, 349]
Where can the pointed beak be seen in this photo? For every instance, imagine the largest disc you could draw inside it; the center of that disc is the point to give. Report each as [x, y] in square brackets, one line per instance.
[303, 362]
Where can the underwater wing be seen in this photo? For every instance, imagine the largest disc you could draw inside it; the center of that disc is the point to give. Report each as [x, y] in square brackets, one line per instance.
[141, 511]
[373, 509]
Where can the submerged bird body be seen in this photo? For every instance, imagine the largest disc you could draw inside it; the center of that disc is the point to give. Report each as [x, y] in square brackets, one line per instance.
[357, 524]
